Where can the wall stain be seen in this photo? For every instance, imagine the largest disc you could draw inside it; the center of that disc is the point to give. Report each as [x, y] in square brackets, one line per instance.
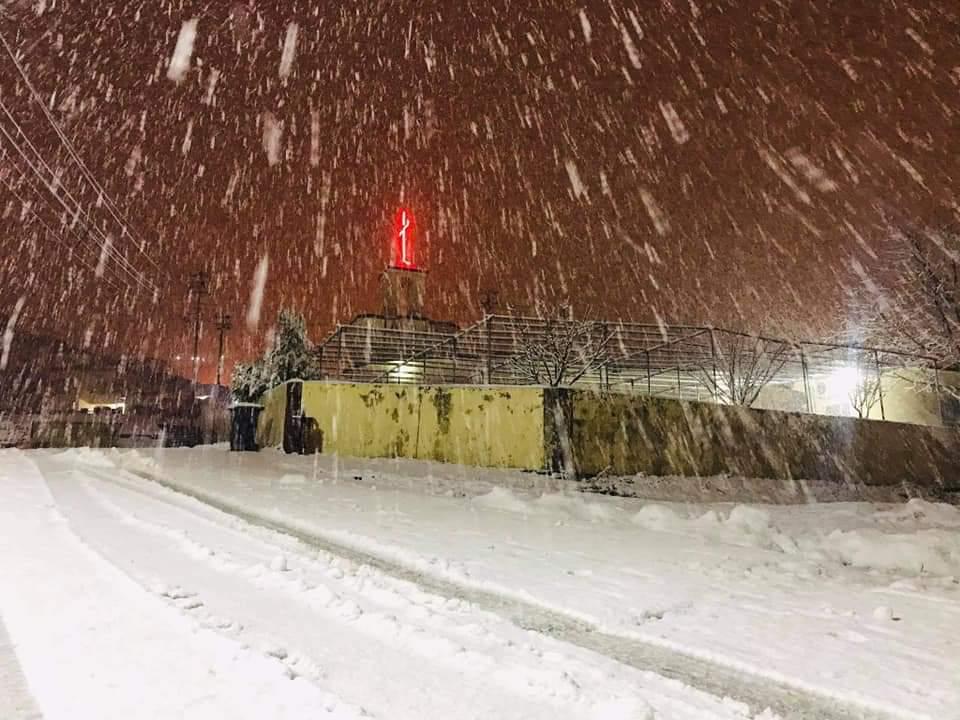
[372, 398]
[443, 402]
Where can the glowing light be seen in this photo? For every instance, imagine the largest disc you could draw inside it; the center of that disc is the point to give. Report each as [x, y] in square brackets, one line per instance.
[405, 372]
[404, 240]
[403, 237]
[841, 385]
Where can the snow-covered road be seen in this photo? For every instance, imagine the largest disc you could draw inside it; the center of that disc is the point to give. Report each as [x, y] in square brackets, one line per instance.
[412, 592]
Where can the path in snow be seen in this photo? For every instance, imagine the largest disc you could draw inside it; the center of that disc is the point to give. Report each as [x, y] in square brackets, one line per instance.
[710, 677]
[391, 581]
[92, 644]
[785, 593]
[395, 648]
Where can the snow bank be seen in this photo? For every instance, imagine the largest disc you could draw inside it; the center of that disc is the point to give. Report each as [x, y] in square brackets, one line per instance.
[558, 506]
[744, 525]
[503, 499]
[913, 538]
[659, 517]
[918, 510]
[574, 506]
[87, 456]
[924, 551]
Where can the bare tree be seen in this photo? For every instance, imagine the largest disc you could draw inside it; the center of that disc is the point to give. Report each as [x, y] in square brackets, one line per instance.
[742, 366]
[865, 394]
[919, 310]
[555, 352]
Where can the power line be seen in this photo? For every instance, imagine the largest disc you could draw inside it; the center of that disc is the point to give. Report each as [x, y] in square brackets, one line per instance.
[51, 231]
[106, 244]
[83, 242]
[74, 212]
[111, 206]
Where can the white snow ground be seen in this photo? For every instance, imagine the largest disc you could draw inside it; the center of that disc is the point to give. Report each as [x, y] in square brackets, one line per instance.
[125, 599]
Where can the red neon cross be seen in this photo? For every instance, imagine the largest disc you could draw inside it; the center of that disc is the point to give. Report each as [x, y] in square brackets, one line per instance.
[404, 226]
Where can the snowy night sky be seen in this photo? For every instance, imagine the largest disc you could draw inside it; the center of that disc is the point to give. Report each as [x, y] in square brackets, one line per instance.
[689, 160]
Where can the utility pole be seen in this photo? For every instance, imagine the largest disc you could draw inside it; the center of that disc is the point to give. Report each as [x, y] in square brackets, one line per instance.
[199, 289]
[224, 324]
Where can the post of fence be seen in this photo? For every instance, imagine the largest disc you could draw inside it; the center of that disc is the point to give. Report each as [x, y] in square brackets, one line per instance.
[939, 391]
[876, 360]
[605, 367]
[806, 379]
[649, 386]
[339, 353]
[453, 342]
[679, 391]
[713, 355]
[486, 322]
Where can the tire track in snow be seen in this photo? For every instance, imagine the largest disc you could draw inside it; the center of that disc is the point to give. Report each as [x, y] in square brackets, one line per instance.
[537, 676]
[707, 675]
[16, 701]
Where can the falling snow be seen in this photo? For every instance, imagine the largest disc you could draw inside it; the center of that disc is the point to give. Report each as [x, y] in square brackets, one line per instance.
[180, 60]
[255, 306]
[768, 167]
[289, 50]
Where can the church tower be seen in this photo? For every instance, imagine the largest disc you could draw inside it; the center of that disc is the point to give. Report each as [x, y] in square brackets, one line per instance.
[404, 282]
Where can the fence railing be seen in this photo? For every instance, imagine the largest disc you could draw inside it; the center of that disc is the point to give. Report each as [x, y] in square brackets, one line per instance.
[683, 362]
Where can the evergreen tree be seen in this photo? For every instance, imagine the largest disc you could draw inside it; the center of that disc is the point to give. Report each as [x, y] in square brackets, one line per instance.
[249, 381]
[292, 357]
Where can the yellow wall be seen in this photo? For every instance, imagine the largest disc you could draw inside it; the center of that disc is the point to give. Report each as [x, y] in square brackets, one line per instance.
[493, 427]
[270, 424]
[486, 427]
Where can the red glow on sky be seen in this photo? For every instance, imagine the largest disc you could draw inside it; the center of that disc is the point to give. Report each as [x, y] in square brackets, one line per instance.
[404, 241]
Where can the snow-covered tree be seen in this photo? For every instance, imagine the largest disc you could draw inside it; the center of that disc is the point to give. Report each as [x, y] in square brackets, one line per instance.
[249, 381]
[291, 357]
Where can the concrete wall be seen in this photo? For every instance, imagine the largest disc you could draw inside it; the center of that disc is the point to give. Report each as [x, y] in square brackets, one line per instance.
[486, 427]
[591, 434]
[626, 435]
[270, 423]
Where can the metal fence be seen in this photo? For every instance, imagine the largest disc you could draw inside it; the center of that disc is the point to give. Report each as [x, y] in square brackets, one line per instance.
[682, 362]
